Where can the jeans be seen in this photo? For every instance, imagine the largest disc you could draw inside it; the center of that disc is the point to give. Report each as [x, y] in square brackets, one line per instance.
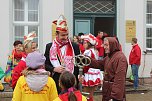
[134, 68]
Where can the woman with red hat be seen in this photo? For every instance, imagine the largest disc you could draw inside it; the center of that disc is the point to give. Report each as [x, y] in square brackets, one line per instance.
[91, 76]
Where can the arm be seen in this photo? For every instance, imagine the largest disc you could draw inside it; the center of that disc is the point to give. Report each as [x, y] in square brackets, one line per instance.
[16, 74]
[53, 91]
[118, 87]
[97, 63]
[138, 54]
[48, 65]
[17, 91]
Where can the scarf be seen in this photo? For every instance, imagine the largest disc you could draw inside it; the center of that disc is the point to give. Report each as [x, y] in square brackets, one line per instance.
[66, 59]
[17, 55]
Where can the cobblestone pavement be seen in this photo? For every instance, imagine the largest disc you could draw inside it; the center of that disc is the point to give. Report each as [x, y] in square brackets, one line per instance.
[135, 95]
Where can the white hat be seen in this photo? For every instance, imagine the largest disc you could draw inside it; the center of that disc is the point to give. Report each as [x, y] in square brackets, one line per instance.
[89, 38]
[30, 36]
[61, 24]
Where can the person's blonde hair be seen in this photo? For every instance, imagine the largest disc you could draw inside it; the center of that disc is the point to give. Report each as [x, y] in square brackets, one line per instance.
[28, 44]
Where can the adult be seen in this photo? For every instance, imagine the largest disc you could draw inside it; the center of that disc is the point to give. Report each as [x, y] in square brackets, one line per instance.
[29, 46]
[99, 45]
[134, 60]
[115, 69]
[61, 52]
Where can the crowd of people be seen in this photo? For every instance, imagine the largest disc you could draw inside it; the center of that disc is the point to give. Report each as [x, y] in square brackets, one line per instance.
[53, 76]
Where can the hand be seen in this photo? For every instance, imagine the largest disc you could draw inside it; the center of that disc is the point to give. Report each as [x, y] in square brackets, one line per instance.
[81, 78]
[110, 100]
[59, 69]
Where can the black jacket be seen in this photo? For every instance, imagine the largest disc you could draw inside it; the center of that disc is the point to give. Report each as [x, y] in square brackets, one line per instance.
[49, 66]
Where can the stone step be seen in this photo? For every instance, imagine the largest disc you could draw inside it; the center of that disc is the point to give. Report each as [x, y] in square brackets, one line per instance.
[8, 92]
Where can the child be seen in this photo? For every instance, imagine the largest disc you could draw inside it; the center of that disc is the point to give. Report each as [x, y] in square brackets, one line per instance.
[67, 82]
[13, 60]
[91, 75]
[35, 84]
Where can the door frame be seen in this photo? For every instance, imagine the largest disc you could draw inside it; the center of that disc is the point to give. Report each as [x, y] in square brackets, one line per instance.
[91, 17]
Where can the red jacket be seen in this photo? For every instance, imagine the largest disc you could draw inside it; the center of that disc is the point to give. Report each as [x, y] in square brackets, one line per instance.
[99, 46]
[81, 47]
[17, 72]
[135, 55]
[64, 97]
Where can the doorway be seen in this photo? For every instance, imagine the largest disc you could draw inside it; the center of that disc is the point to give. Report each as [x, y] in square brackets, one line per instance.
[105, 24]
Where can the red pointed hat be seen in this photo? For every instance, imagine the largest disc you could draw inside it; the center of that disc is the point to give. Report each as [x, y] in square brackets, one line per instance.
[61, 24]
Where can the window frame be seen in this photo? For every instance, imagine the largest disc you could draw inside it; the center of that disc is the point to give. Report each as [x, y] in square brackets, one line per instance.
[26, 23]
[148, 25]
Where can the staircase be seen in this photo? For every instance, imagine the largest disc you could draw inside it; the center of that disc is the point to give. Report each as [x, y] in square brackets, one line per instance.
[6, 95]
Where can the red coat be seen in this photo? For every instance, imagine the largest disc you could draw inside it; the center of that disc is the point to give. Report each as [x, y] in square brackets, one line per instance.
[135, 55]
[81, 47]
[64, 97]
[99, 47]
[17, 72]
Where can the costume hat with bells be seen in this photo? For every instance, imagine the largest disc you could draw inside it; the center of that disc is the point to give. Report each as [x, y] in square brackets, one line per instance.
[89, 38]
[61, 24]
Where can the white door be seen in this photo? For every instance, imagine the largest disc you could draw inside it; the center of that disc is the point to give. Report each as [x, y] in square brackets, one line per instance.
[82, 26]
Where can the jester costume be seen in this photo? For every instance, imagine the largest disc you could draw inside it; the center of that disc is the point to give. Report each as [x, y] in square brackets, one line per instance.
[13, 60]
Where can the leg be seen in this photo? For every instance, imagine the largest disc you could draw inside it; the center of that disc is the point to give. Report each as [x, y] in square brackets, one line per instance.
[135, 74]
[91, 91]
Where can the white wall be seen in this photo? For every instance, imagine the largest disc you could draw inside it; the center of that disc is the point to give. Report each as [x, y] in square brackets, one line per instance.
[4, 32]
[121, 22]
[51, 9]
[68, 12]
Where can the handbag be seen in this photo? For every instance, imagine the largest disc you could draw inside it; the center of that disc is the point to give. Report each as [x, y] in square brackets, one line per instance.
[2, 74]
[131, 77]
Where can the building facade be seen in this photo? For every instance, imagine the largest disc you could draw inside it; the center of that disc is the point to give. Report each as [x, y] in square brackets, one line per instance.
[122, 18]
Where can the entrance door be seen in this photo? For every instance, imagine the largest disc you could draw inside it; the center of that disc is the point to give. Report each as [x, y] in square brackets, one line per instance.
[105, 24]
[82, 26]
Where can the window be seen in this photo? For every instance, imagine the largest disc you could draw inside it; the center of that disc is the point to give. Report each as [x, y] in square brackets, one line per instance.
[149, 25]
[25, 18]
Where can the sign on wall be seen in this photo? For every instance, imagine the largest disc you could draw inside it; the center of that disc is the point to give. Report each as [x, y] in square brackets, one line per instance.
[53, 31]
[130, 30]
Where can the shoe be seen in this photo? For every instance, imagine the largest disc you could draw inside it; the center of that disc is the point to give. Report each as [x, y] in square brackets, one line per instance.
[135, 88]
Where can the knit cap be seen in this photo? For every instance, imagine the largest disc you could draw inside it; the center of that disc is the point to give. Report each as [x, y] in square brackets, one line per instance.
[35, 59]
